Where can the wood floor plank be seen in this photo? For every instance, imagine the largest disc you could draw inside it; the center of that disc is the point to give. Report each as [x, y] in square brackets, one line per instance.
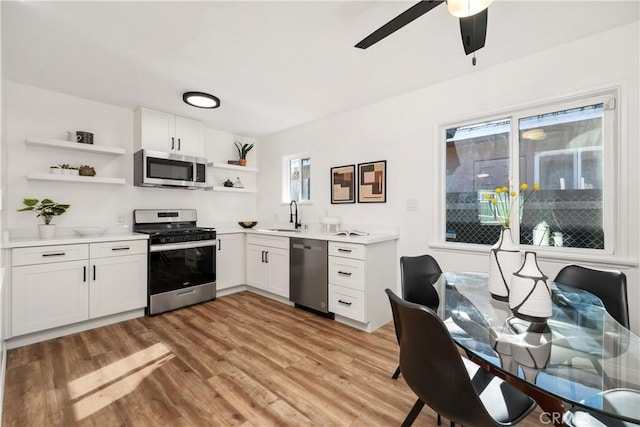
[242, 360]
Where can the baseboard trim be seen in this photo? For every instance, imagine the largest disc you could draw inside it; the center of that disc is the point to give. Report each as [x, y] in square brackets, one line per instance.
[3, 376]
[35, 337]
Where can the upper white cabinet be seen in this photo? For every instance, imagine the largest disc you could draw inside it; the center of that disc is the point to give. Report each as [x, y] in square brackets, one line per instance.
[160, 131]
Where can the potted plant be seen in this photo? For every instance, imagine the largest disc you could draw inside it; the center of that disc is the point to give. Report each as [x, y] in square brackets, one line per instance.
[66, 169]
[243, 149]
[47, 209]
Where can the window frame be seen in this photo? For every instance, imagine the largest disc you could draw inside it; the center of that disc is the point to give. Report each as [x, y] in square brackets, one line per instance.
[614, 188]
[286, 177]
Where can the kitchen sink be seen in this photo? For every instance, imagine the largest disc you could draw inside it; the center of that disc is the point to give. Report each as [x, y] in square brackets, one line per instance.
[286, 230]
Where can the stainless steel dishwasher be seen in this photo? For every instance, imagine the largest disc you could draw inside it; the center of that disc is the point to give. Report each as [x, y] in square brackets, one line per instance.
[308, 275]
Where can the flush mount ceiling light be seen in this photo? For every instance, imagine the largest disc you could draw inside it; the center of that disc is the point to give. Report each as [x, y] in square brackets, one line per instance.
[537, 134]
[201, 100]
[465, 8]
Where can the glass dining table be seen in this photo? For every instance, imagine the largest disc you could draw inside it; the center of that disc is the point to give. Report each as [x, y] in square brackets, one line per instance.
[580, 355]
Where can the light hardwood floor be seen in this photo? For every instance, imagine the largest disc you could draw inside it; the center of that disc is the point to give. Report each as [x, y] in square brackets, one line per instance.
[241, 360]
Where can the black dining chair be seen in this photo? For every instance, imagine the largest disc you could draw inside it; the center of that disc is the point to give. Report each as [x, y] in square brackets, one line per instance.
[616, 400]
[608, 285]
[451, 385]
[416, 273]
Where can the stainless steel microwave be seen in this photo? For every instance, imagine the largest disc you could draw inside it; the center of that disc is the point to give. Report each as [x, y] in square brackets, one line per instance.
[159, 169]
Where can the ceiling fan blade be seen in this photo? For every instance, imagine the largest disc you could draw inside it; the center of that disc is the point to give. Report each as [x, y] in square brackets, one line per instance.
[473, 30]
[409, 15]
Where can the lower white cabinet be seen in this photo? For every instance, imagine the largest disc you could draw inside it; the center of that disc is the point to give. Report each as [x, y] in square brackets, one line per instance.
[230, 260]
[268, 263]
[59, 285]
[358, 276]
[48, 295]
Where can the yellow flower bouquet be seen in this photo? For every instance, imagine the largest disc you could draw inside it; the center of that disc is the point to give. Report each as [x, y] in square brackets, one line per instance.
[503, 201]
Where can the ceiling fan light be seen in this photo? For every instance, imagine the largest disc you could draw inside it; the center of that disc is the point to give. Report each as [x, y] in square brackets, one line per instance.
[201, 100]
[465, 8]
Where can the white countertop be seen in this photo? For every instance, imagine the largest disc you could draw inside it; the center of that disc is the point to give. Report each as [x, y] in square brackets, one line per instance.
[70, 240]
[24, 242]
[304, 234]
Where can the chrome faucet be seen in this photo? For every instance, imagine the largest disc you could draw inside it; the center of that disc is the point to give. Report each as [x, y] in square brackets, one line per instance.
[293, 214]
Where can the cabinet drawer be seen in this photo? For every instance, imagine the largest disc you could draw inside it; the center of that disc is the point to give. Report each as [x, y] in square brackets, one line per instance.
[346, 272]
[347, 250]
[272, 241]
[48, 254]
[347, 302]
[124, 247]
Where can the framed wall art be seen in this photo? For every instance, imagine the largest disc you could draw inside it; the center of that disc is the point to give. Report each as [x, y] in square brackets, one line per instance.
[343, 184]
[372, 178]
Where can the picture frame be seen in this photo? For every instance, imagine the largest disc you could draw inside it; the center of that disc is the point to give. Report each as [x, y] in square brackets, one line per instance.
[372, 182]
[343, 184]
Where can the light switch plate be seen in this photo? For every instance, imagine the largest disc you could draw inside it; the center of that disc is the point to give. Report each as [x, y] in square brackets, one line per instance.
[412, 204]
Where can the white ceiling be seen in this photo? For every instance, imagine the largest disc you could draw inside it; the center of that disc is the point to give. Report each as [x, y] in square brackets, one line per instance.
[274, 64]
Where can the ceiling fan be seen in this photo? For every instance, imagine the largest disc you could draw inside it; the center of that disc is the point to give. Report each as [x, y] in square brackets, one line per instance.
[473, 22]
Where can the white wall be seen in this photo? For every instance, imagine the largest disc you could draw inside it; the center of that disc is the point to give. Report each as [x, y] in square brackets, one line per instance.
[34, 112]
[403, 131]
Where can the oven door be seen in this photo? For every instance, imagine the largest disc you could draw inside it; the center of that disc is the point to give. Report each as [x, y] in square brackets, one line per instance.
[181, 265]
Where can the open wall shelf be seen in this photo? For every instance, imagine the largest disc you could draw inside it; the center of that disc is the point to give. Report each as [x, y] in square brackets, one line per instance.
[75, 178]
[68, 145]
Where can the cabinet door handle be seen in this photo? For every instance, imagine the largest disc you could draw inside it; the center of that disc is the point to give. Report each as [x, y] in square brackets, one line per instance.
[178, 144]
[344, 250]
[55, 254]
[262, 258]
[344, 302]
[122, 248]
[266, 256]
[344, 273]
[173, 143]
[94, 272]
[84, 273]
[219, 245]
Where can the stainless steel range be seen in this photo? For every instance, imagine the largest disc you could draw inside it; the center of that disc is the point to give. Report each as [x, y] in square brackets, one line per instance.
[182, 258]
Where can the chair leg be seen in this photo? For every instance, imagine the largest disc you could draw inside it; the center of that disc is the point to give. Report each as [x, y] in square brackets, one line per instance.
[439, 419]
[413, 414]
[452, 424]
[396, 374]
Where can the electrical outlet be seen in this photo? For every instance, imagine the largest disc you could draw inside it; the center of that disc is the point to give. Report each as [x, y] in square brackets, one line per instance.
[120, 219]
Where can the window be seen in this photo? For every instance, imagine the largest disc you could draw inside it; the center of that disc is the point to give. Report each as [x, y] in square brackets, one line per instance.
[297, 178]
[562, 148]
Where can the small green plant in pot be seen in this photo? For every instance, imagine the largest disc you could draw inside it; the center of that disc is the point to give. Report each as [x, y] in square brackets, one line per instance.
[243, 149]
[46, 209]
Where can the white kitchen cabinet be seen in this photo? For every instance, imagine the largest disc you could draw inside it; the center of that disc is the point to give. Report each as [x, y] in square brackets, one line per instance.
[268, 263]
[160, 131]
[48, 295]
[358, 276]
[118, 280]
[60, 285]
[230, 260]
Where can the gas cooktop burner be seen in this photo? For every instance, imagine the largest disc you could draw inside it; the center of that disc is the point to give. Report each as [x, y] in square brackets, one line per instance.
[170, 226]
[174, 231]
